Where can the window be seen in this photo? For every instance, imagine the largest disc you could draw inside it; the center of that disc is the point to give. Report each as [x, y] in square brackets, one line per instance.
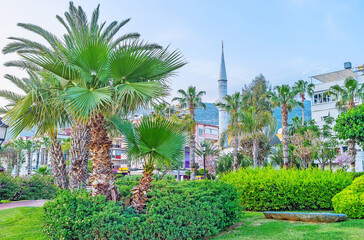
[200, 131]
[211, 131]
[322, 98]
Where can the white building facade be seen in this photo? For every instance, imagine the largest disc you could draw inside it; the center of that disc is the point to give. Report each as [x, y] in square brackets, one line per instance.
[323, 106]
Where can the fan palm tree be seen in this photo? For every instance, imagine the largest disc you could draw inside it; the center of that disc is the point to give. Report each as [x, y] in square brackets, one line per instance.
[303, 87]
[32, 88]
[24, 84]
[102, 75]
[232, 105]
[254, 123]
[191, 99]
[156, 141]
[284, 97]
[40, 109]
[345, 97]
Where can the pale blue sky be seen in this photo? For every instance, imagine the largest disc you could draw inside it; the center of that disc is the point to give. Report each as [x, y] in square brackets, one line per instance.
[285, 40]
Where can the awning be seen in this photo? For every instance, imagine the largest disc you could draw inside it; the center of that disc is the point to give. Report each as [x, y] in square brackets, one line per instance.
[335, 76]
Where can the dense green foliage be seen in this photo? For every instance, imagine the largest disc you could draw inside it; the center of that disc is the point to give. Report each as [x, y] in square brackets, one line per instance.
[350, 124]
[175, 210]
[351, 200]
[270, 189]
[27, 188]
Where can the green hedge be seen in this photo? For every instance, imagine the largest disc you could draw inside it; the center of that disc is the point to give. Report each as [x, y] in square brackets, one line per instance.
[26, 188]
[351, 200]
[263, 189]
[175, 210]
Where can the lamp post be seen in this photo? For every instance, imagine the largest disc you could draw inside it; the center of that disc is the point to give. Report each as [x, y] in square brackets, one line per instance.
[204, 160]
[3, 129]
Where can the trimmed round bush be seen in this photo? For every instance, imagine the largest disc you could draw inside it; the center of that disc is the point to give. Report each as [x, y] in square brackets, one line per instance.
[350, 201]
[264, 189]
[175, 210]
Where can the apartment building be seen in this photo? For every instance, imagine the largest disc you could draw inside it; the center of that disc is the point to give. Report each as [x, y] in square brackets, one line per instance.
[323, 106]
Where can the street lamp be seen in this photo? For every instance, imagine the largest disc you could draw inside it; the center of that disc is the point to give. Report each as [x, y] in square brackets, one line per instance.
[204, 159]
[3, 129]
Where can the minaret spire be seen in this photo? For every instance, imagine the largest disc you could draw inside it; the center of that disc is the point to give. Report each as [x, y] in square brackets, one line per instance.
[223, 117]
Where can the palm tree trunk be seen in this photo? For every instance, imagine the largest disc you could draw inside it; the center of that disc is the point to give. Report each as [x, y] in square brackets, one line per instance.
[17, 163]
[285, 134]
[140, 192]
[352, 153]
[58, 163]
[80, 138]
[42, 156]
[102, 177]
[192, 143]
[255, 152]
[29, 162]
[235, 153]
[46, 157]
[85, 166]
[351, 143]
[303, 108]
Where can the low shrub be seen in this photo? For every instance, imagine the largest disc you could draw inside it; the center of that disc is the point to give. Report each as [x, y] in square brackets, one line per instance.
[8, 186]
[351, 200]
[175, 210]
[263, 189]
[27, 188]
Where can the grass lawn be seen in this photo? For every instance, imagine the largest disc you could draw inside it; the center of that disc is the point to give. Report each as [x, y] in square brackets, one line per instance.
[21, 223]
[26, 222]
[255, 226]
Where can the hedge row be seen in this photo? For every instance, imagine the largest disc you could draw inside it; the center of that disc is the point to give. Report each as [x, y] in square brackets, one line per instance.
[351, 200]
[27, 188]
[263, 189]
[175, 210]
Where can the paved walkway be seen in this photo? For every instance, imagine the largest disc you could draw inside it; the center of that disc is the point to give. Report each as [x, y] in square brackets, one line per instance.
[27, 203]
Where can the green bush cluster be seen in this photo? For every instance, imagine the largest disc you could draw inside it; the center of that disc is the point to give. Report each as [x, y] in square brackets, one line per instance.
[263, 189]
[351, 200]
[126, 183]
[175, 210]
[27, 188]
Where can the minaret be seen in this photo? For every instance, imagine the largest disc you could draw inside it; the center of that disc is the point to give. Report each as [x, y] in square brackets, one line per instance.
[223, 117]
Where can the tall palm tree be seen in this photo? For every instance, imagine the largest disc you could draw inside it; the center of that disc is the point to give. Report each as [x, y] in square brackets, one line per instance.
[191, 99]
[211, 152]
[232, 105]
[46, 144]
[41, 109]
[345, 97]
[102, 75]
[19, 147]
[254, 123]
[156, 141]
[303, 87]
[284, 97]
[28, 146]
[32, 88]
